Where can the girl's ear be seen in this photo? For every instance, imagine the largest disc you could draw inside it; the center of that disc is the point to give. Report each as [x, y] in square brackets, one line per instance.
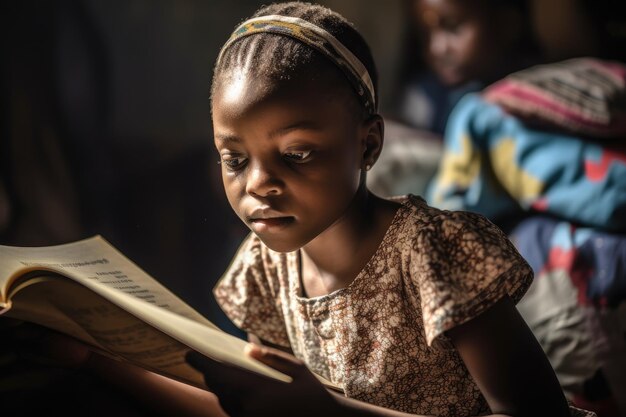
[373, 137]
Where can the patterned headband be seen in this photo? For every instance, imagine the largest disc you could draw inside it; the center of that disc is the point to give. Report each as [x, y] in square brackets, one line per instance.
[320, 40]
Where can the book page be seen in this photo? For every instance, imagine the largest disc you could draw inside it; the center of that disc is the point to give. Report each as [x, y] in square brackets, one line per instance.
[211, 342]
[138, 332]
[115, 318]
[63, 305]
[35, 307]
[113, 286]
[94, 263]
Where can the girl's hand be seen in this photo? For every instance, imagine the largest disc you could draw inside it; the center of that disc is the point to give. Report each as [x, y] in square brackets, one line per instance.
[243, 393]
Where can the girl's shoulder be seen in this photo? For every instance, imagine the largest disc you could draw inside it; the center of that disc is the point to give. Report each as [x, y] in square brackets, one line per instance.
[454, 237]
[421, 218]
[460, 264]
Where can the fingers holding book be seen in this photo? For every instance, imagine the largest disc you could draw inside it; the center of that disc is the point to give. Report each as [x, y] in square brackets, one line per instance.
[242, 392]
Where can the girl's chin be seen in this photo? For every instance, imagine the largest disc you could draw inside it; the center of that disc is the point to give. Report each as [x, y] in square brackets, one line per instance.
[277, 243]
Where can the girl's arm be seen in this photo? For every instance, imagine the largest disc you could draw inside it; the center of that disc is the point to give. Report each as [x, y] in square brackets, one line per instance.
[508, 364]
[356, 408]
[162, 395]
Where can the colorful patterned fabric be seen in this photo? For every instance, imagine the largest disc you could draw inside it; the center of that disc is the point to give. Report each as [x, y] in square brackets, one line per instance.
[496, 165]
[318, 39]
[583, 95]
[576, 307]
[594, 261]
[383, 337]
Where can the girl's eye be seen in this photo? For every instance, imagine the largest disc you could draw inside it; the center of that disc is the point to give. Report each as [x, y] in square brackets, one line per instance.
[232, 162]
[297, 156]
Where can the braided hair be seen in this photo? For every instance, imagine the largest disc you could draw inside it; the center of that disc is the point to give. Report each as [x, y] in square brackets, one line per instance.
[279, 58]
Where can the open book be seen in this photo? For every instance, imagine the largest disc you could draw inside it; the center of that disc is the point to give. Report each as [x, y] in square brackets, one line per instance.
[90, 291]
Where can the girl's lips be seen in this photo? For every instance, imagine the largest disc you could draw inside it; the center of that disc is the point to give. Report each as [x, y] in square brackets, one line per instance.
[268, 224]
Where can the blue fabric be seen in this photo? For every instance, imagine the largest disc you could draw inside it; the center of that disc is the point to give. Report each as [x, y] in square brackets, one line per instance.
[496, 165]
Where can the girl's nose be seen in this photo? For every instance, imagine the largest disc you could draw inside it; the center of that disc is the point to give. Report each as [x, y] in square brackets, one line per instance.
[262, 182]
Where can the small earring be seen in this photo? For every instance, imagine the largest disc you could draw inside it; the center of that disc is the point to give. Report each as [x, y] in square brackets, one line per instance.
[368, 167]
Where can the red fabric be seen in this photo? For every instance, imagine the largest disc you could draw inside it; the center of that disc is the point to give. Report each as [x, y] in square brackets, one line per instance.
[585, 96]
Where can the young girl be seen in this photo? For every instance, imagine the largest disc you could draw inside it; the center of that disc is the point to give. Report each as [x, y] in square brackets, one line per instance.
[406, 307]
[411, 310]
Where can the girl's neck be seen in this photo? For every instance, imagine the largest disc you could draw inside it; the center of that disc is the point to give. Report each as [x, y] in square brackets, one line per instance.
[334, 258]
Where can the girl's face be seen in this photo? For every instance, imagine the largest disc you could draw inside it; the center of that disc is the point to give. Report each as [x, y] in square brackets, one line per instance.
[460, 40]
[291, 155]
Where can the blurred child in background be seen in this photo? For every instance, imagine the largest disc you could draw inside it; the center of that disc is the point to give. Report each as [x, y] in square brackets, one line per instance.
[455, 47]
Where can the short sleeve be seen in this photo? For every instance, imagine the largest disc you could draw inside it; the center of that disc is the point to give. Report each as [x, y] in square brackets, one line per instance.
[249, 293]
[462, 265]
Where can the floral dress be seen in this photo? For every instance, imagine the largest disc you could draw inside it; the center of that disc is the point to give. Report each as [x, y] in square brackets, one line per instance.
[382, 338]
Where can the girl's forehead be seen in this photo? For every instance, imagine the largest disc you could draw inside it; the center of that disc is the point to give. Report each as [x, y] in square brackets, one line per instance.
[238, 96]
[247, 108]
[238, 84]
[241, 88]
